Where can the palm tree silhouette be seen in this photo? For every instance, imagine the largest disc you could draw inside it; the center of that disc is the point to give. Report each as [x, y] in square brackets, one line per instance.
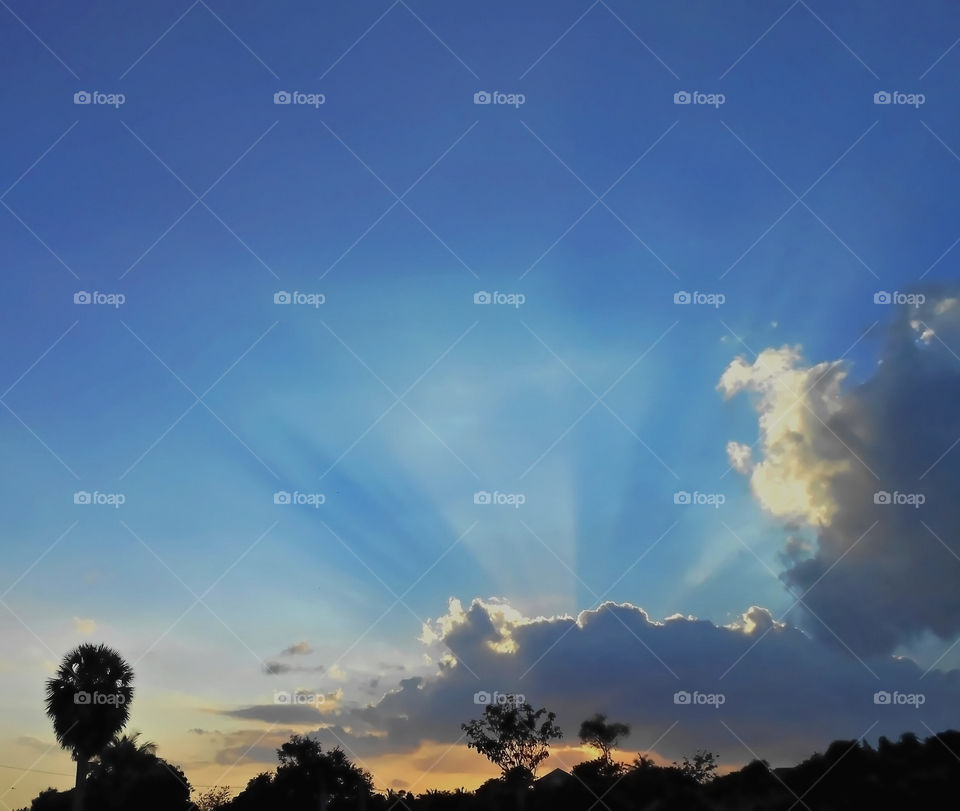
[88, 701]
[125, 756]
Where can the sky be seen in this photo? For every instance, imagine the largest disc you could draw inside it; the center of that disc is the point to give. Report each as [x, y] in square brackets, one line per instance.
[403, 353]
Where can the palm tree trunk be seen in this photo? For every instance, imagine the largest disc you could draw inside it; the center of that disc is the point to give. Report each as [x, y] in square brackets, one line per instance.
[80, 787]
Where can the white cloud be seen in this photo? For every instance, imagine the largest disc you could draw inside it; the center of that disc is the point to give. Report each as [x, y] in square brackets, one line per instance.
[740, 456]
[793, 478]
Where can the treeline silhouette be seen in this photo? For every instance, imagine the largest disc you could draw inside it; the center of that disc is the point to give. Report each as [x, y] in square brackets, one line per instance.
[88, 702]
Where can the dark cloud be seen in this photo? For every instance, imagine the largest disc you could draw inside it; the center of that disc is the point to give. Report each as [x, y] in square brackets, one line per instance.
[298, 706]
[273, 668]
[299, 714]
[881, 575]
[301, 648]
[784, 694]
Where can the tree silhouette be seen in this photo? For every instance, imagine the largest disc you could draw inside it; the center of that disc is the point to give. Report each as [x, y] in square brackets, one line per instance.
[308, 779]
[603, 735]
[700, 768]
[213, 799]
[259, 794]
[512, 736]
[88, 701]
[127, 774]
[125, 754]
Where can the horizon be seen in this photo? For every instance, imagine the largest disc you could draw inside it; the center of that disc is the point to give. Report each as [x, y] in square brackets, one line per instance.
[365, 362]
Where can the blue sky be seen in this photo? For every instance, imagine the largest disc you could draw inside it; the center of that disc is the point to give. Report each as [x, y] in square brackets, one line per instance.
[199, 397]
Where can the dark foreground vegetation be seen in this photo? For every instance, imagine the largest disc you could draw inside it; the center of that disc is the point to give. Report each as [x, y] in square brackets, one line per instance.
[117, 772]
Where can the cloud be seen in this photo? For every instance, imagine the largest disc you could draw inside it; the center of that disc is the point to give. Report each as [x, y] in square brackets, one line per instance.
[785, 694]
[880, 575]
[301, 648]
[793, 479]
[272, 668]
[295, 715]
[740, 456]
[84, 626]
[305, 707]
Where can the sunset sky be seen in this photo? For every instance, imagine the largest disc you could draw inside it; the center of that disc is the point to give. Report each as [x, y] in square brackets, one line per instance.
[388, 298]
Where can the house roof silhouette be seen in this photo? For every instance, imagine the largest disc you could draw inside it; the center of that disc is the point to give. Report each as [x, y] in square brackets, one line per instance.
[558, 778]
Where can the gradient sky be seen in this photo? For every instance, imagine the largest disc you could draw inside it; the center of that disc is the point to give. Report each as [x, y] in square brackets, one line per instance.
[399, 397]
